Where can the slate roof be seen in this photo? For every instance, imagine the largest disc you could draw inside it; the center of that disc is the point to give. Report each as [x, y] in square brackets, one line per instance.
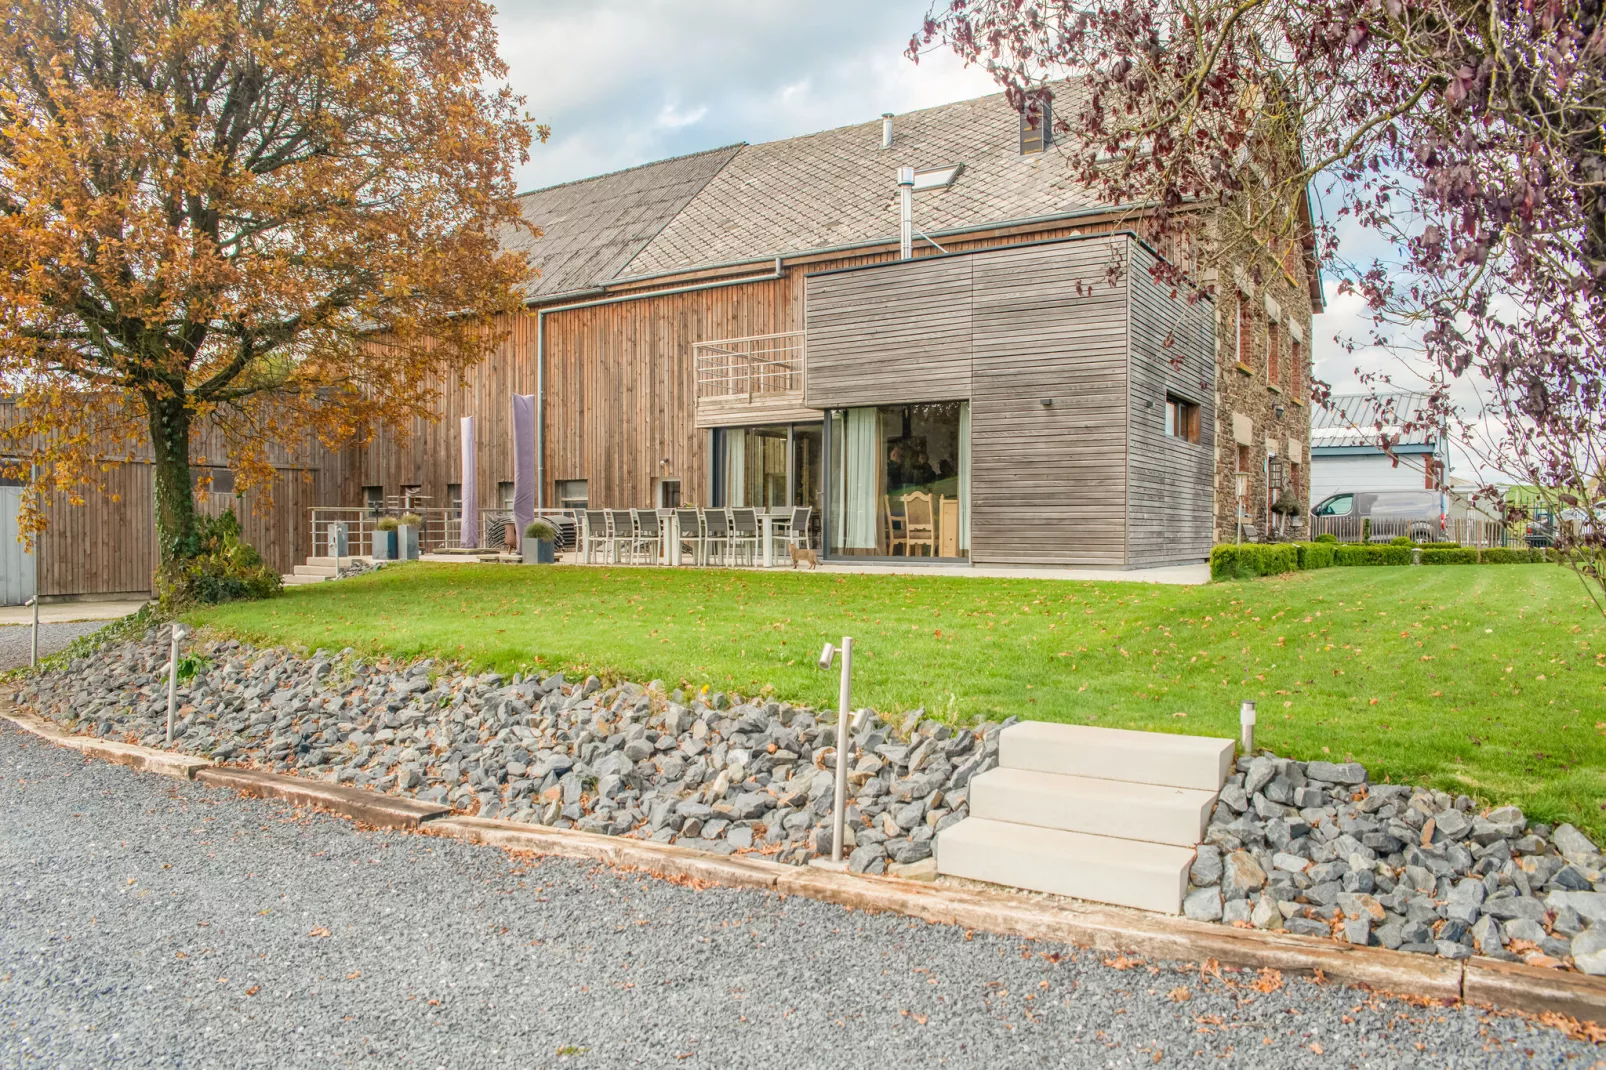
[1353, 420]
[839, 187]
[592, 228]
[746, 202]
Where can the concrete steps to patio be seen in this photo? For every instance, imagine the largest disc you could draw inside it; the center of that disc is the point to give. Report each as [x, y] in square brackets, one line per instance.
[1101, 814]
[316, 570]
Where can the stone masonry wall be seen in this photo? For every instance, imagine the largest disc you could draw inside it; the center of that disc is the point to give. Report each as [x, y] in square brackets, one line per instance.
[1271, 418]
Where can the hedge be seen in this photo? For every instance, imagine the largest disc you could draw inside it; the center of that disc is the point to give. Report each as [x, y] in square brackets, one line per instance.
[1239, 561]
[1232, 561]
[1437, 555]
[1315, 554]
[1373, 555]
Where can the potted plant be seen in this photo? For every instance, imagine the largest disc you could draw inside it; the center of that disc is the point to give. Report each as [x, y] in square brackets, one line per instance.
[407, 536]
[539, 538]
[385, 538]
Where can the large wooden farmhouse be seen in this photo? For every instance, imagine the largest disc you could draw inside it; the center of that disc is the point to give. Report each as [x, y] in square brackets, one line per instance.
[758, 325]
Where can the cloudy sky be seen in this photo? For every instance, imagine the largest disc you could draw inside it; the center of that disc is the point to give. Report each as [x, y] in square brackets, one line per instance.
[623, 82]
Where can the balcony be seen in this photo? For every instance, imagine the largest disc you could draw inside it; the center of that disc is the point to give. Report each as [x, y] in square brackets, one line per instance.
[754, 380]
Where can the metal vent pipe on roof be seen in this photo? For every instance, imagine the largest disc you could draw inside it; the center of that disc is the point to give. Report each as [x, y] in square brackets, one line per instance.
[906, 212]
[886, 130]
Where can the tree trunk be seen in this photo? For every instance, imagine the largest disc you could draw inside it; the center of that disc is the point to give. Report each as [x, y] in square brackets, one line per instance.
[175, 496]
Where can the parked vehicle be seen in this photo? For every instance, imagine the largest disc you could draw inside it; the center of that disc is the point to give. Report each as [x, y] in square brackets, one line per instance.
[1384, 514]
[1541, 529]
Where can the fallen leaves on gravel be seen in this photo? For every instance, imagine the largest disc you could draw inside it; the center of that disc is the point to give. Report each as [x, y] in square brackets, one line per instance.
[320, 932]
[1269, 981]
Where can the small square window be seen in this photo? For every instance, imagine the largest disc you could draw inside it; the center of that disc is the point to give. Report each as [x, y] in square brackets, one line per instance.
[572, 494]
[1181, 419]
[669, 494]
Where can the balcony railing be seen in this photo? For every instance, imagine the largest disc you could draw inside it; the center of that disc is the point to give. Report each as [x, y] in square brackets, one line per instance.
[746, 380]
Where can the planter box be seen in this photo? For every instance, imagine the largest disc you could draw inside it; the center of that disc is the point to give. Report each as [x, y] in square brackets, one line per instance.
[407, 543]
[384, 546]
[537, 551]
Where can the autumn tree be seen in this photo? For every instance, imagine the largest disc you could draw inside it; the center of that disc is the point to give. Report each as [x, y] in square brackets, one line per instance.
[276, 218]
[1466, 134]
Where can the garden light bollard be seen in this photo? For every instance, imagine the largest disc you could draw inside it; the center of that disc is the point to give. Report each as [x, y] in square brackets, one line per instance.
[839, 817]
[33, 647]
[172, 679]
[1246, 726]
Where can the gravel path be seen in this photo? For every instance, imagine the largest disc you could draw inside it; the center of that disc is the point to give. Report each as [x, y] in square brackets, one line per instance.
[146, 922]
[16, 638]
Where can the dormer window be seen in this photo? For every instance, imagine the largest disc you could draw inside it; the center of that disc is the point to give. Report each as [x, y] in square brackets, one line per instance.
[1036, 127]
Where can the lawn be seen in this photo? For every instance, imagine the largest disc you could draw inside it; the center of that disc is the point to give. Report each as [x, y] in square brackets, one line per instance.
[1484, 679]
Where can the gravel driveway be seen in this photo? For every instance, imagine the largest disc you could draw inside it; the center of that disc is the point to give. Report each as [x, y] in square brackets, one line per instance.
[148, 922]
[16, 638]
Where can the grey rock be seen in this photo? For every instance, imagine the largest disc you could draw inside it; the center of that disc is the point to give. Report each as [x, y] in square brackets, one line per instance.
[1241, 874]
[1575, 847]
[1452, 951]
[1207, 866]
[1357, 931]
[1589, 951]
[1347, 773]
[1203, 904]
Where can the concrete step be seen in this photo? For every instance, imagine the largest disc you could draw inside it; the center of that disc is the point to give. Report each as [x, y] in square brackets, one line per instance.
[293, 580]
[315, 570]
[1128, 811]
[329, 562]
[1116, 754]
[1102, 869]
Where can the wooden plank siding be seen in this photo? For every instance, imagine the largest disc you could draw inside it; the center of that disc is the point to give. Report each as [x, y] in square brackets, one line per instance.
[1048, 482]
[620, 401]
[1170, 482]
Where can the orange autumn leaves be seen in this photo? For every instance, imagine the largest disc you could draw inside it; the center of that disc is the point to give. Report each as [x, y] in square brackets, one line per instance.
[278, 222]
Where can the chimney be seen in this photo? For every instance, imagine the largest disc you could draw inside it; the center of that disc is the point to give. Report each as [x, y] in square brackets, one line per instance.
[886, 130]
[906, 215]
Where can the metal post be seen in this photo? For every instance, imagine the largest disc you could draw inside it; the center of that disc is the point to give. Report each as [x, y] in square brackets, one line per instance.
[1246, 726]
[33, 649]
[906, 189]
[844, 696]
[172, 679]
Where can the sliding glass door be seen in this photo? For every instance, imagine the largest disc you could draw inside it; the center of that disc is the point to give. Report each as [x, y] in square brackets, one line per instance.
[774, 466]
[900, 481]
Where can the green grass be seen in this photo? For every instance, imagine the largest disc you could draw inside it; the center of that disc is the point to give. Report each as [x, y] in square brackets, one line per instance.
[1483, 679]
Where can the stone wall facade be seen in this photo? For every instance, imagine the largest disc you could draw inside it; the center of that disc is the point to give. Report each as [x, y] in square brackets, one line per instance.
[1263, 407]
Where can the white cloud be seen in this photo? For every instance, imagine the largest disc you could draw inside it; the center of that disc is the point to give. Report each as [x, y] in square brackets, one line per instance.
[623, 82]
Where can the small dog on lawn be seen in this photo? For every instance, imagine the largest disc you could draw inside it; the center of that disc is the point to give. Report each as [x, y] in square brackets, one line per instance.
[803, 555]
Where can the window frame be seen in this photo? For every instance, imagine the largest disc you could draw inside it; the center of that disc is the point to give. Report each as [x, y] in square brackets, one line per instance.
[1182, 419]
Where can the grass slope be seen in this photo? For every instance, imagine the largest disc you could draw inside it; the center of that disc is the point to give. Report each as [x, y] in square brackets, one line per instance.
[1483, 679]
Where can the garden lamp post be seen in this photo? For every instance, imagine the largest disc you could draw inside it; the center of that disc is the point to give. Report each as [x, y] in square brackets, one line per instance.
[844, 696]
[172, 678]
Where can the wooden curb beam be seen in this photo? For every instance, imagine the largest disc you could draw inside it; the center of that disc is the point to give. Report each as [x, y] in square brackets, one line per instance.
[367, 807]
[147, 759]
[1490, 982]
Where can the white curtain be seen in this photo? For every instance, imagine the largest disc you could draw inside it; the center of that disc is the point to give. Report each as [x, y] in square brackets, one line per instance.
[839, 506]
[860, 458]
[736, 466]
[964, 477]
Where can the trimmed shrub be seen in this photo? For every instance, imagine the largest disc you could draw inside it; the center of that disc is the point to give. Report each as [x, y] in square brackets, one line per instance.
[1373, 555]
[1233, 561]
[1399, 540]
[1327, 536]
[1517, 555]
[1448, 555]
[1314, 555]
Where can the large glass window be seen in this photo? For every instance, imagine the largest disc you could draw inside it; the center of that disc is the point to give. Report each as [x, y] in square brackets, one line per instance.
[900, 481]
[770, 467]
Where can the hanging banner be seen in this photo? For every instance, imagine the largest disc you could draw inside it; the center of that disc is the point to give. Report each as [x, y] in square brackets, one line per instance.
[470, 536]
[523, 461]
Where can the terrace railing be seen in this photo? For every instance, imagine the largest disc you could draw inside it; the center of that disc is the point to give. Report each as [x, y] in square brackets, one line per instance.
[442, 528]
[752, 379]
